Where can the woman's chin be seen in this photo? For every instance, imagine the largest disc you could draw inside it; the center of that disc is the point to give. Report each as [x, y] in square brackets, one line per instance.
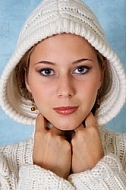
[67, 127]
[65, 124]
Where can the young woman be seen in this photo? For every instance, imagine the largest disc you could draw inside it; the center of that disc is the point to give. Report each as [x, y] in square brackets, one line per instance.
[64, 79]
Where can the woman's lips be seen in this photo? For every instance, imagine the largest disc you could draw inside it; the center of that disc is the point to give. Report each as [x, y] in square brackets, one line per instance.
[67, 110]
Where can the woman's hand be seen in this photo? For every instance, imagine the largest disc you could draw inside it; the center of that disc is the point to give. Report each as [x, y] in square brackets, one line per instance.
[86, 146]
[51, 150]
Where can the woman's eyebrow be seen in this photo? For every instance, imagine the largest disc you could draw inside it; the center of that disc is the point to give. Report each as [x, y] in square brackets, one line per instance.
[45, 62]
[81, 60]
[75, 62]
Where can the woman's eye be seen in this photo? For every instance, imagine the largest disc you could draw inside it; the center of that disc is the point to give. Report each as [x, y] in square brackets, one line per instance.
[81, 70]
[46, 72]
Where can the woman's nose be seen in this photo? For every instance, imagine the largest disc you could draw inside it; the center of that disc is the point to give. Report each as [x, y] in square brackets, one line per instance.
[65, 87]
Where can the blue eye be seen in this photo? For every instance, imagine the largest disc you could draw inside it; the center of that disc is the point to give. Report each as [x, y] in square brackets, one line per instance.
[81, 70]
[46, 72]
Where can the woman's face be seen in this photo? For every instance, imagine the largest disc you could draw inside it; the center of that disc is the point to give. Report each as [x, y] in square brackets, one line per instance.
[64, 77]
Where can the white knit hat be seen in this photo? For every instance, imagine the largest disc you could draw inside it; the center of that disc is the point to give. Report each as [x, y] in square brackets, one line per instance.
[55, 17]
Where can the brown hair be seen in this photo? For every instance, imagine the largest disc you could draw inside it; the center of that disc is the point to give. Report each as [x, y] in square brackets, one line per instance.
[20, 73]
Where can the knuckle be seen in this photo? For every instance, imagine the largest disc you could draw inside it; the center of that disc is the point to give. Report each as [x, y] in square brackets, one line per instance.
[37, 135]
[94, 131]
[67, 147]
[73, 141]
[80, 134]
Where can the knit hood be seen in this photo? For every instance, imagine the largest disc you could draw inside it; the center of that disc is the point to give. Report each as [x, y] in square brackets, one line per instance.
[48, 19]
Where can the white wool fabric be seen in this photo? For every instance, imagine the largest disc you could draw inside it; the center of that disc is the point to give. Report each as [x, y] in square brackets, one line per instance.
[48, 19]
[17, 171]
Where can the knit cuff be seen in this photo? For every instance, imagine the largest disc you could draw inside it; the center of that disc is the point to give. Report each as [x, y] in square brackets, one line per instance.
[108, 166]
[107, 173]
[33, 177]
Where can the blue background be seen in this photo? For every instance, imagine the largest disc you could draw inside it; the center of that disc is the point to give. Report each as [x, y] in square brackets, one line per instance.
[111, 14]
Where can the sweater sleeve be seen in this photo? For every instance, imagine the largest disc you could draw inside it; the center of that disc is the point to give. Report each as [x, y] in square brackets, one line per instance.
[8, 180]
[108, 174]
[33, 177]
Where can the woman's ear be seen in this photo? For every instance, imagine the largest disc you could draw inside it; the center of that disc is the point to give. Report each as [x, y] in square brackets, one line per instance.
[27, 84]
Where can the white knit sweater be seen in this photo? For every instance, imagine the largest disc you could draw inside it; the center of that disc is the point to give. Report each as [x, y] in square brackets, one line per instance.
[17, 171]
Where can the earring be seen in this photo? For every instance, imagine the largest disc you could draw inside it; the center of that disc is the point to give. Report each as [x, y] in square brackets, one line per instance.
[33, 108]
[97, 103]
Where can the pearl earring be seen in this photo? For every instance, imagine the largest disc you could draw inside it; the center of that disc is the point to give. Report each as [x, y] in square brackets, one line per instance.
[33, 108]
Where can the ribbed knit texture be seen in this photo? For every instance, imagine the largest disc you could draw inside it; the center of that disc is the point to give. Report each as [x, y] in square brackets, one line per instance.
[55, 17]
[17, 171]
